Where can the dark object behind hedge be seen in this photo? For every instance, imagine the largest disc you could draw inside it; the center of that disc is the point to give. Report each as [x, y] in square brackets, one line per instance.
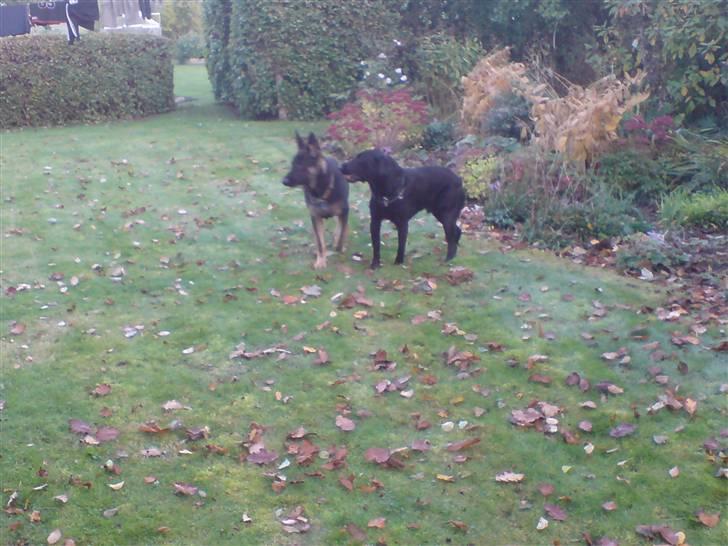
[44, 81]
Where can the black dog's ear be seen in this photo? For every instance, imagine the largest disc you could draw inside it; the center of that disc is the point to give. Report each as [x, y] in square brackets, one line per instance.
[300, 142]
[313, 145]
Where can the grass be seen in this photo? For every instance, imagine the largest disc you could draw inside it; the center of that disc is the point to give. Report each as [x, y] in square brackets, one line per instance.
[191, 206]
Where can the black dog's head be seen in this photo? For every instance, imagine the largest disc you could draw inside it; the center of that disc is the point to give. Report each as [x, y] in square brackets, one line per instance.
[372, 166]
[307, 164]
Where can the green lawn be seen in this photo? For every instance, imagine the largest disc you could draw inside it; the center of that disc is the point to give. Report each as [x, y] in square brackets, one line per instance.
[215, 252]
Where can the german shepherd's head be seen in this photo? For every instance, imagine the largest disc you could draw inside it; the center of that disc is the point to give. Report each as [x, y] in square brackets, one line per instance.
[308, 164]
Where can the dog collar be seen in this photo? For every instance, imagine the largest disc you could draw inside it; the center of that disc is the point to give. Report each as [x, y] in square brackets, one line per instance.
[386, 201]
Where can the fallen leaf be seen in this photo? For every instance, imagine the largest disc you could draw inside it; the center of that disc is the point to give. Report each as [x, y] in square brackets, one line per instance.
[674, 472]
[377, 523]
[509, 477]
[421, 445]
[54, 537]
[460, 525]
[345, 424]
[377, 454]
[116, 486]
[347, 482]
[622, 430]
[463, 444]
[106, 434]
[355, 532]
[102, 389]
[17, 328]
[546, 489]
[262, 457]
[184, 489]
[79, 427]
[555, 511]
[709, 520]
[542, 524]
[609, 506]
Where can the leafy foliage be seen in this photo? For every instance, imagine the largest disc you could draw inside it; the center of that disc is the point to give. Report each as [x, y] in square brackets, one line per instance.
[181, 18]
[477, 175]
[439, 63]
[217, 37]
[682, 45]
[294, 62]
[438, 135]
[705, 210]
[380, 119]
[635, 174]
[188, 46]
[43, 81]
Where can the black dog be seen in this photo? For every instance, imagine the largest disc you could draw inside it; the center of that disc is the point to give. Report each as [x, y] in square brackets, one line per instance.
[398, 194]
[326, 192]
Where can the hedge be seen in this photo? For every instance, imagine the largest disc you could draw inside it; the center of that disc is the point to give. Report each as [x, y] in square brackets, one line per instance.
[44, 81]
[292, 59]
[217, 36]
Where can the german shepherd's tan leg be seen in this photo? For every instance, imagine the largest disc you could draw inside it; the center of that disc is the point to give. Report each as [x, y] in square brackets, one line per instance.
[318, 233]
[342, 230]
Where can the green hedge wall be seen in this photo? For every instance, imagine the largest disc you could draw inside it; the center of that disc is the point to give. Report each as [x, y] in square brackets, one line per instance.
[292, 58]
[217, 36]
[45, 81]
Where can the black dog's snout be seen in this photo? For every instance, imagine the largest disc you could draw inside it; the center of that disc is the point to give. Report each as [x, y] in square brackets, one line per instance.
[345, 168]
[287, 182]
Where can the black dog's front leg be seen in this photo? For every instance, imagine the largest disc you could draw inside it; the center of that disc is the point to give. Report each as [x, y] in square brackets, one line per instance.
[375, 228]
[402, 228]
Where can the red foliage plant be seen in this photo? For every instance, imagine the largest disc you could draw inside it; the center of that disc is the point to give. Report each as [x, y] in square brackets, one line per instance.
[386, 119]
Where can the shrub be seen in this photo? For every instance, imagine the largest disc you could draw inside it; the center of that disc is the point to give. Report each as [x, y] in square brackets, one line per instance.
[681, 43]
[439, 63]
[508, 116]
[651, 253]
[478, 175]
[698, 162]
[635, 174]
[383, 119]
[217, 15]
[438, 135]
[706, 210]
[295, 62]
[44, 81]
[189, 46]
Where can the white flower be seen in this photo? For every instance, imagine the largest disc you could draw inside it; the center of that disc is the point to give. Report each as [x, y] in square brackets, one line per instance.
[403, 78]
[381, 56]
[388, 81]
[363, 63]
[398, 70]
[366, 74]
[380, 76]
[397, 42]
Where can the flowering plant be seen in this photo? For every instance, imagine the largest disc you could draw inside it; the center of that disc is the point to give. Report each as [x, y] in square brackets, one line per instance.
[390, 120]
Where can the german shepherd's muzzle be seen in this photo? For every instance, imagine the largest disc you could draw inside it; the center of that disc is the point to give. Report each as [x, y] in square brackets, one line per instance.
[325, 190]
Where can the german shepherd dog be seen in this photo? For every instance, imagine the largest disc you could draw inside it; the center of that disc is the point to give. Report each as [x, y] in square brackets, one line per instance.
[398, 194]
[325, 190]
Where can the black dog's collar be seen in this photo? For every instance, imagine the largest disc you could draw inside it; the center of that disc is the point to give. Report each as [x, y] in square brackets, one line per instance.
[386, 201]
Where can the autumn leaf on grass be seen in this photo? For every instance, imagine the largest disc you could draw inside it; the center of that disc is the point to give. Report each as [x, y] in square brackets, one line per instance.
[79, 427]
[546, 489]
[663, 532]
[54, 537]
[377, 523]
[355, 532]
[151, 427]
[322, 357]
[609, 506]
[262, 457]
[622, 430]
[555, 511]
[17, 328]
[607, 387]
[709, 520]
[509, 477]
[463, 444]
[347, 482]
[295, 521]
[184, 489]
[540, 378]
[101, 390]
[421, 445]
[536, 359]
[460, 525]
[383, 456]
[345, 424]
[458, 275]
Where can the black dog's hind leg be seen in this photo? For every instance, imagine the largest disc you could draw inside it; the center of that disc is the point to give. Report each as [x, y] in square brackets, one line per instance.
[375, 228]
[452, 234]
[402, 229]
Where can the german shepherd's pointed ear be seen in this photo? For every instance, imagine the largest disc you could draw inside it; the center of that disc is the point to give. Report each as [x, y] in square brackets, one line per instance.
[313, 145]
[300, 142]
